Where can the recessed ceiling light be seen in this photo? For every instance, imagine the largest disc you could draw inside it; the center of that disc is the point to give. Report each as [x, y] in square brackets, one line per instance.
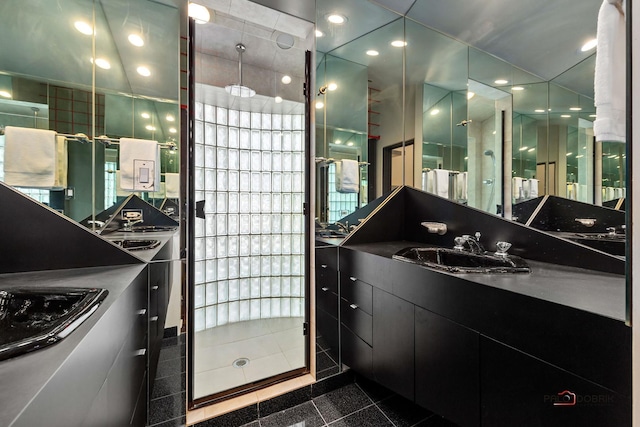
[335, 18]
[592, 115]
[539, 110]
[199, 13]
[145, 115]
[170, 118]
[143, 71]
[278, 99]
[84, 27]
[102, 63]
[565, 116]
[531, 149]
[517, 88]
[319, 33]
[286, 79]
[350, 144]
[337, 141]
[501, 82]
[319, 105]
[173, 130]
[398, 43]
[575, 108]
[373, 52]
[470, 95]
[613, 156]
[136, 40]
[466, 158]
[493, 133]
[434, 112]
[332, 86]
[524, 148]
[579, 156]
[149, 127]
[5, 94]
[568, 154]
[589, 45]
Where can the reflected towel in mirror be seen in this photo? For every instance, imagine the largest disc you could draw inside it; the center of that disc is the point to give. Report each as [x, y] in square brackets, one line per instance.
[30, 157]
[442, 183]
[347, 176]
[172, 181]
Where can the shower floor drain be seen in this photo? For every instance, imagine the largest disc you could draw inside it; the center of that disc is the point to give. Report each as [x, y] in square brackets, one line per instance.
[240, 363]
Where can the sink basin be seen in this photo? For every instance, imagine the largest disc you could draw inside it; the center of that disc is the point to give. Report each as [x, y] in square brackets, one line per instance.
[458, 261]
[33, 318]
[137, 244]
[148, 228]
[330, 233]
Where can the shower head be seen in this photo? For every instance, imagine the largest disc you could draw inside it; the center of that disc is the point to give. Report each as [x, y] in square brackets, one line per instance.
[464, 122]
[239, 89]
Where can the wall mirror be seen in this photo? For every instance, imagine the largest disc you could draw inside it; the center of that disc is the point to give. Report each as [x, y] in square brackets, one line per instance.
[110, 68]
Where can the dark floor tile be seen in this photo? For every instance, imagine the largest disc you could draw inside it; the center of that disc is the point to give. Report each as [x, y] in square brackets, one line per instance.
[320, 375]
[436, 421]
[341, 402]
[304, 414]
[177, 422]
[167, 368]
[166, 408]
[372, 389]
[173, 352]
[403, 412]
[170, 332]
[332, 383]
[370, 417]
[169, 342]
[168, 385]
[233, 419]
[285, 401]
[324, 361]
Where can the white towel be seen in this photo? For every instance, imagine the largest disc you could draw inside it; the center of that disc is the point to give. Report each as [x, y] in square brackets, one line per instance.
[172, 181]
[160, 194]
[425, 180]
[533, 188]
[442, 183]
[461, 186]
[29, 157]
[516, 187]
[431, 181]
[62, 163]
[526, 189]
[119, 191]
[347, 176]
[139, 164]
[617, 193]
[571, 191]
[610, 80]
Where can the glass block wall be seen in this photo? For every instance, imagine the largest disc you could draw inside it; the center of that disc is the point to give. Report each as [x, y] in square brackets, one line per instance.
[249, 249]
[340, 204]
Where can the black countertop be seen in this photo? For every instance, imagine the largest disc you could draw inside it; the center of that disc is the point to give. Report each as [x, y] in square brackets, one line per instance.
[23, 377]
[592, 291]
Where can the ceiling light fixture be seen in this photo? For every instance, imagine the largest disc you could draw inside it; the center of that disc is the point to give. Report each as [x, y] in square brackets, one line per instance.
[434, 112]
[565, 116]
[592, 115]
[398, 43]
[199, 13]
[332, 86]
[239, 89]
[539, 110]
[84, 27]
[350, 144]
[501, 82]
[5, 94]
[575, 108]
[337, 141]
[102, 63]
[319, 105]
[591, 44]
[145, 115]
[149, 127]
[170, 118]
[373, 52]
[524, 148]
[517, 88]
[173, 130]
[278, 99]
[136, 40]
[286, 79]
[319, 33]
[337, 19]
[143, 71]
[470, 95]
[531, 150]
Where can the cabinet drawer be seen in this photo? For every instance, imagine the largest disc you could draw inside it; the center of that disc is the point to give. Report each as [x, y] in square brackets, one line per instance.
[327, 278]
[356, 353]
[359, 322]
[327, 300]
[357, 292]
[327, 257]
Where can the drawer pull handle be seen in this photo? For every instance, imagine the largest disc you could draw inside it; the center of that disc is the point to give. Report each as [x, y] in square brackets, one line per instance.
[353, 279]
[154, 319]
[353, 306]
[142, 312]
[155, 288]
[325, 289]
[140, 352]
[323, 265]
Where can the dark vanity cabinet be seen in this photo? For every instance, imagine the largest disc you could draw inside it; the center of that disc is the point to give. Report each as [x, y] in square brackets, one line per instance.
[356, 323]
[447, 368]
[327, 299]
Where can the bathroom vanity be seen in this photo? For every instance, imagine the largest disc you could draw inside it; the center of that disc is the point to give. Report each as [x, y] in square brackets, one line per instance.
[545, 348]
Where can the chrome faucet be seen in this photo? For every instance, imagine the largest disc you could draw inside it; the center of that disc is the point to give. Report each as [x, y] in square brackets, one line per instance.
[343, 227]
[472, 242]
[128, 226]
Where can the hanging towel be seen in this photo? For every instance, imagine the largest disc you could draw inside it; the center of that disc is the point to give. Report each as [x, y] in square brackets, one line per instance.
[160, 194]
[62, 163]
[347, 176]
[431, 181]
[441, 186]
[610, 80]
[119, 191]
[29, 157]
[425, 180]
[461, 186]
[139, 165]
[533, 188]
[526, 189]
[172, 181]
[516, 187]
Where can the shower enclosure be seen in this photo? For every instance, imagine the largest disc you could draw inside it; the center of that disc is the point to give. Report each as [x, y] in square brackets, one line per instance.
[248, 301]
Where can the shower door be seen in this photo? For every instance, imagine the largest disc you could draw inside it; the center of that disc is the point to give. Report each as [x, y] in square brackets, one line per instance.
[248, 289]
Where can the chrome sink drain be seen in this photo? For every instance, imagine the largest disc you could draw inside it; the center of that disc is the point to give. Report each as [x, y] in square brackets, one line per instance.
[240, 363]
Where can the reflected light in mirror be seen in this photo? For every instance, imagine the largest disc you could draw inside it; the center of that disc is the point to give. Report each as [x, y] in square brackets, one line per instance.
[434, 112]
[568, 154]
[592, 115]
[5, 94]
[319, 104]
[350, 144]
[143, 71]
[84, 27]
[501, 82]
[337, 141]
[335, 18]
[149, 127]
[591, 44]
[565, 116]
[524, 148]
[145, 115]
[517, 88]
[373, 52]
[286, 80]
[319, 33]
[199, 13]
[278, 99]
[398, 43]
[170, 118]
[332, 86]
[575, 108]
[470, 95]
[102, 63]
[531, 150]
[136, 40]
[539, 110]
[173, 130]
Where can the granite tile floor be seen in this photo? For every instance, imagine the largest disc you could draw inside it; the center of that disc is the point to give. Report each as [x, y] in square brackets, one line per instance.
[355, 402]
